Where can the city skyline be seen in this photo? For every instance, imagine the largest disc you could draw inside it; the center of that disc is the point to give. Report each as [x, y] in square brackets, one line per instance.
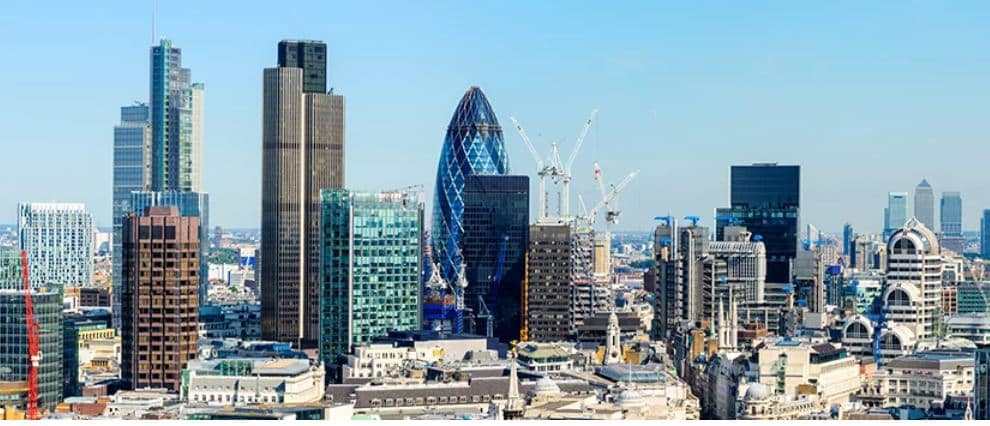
[753, 91]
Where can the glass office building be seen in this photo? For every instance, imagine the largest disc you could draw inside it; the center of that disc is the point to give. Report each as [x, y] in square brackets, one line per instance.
[474, 145]
[47, 302]
[371, 249]
[496, 236]
[765, 198]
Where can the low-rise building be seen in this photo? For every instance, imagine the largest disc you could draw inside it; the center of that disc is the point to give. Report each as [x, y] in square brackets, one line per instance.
[244, 381]
[921, 379]
[385, 356]
[973, 326]
[546, 357]
[789, 366]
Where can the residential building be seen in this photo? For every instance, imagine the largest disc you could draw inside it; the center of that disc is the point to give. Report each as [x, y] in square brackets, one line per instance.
[473, 145]
[58, 238]
[161, 263]
[765, 199]
[495, 239]
[303, 153]
[372, 247]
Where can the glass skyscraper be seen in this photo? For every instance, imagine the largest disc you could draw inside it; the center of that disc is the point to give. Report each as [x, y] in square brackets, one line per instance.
[474, 145]
[766, 198]
[895, 215]
[131, 172]
[924, 204]
[496, 236]
[47, 301]
[371, 250]
[176, 122]
[951, 221]
[58, 238]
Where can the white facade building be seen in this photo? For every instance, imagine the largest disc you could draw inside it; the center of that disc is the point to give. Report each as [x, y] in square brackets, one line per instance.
[913, 295]
[58, 238]
[235, 382]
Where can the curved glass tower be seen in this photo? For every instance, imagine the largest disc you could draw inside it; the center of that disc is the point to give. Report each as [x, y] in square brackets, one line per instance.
[473, 146]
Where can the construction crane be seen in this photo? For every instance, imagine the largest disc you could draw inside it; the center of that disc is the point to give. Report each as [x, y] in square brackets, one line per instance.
[610, 197]
[485, 314]
[555, 169]
[34, 350]
[693, 219]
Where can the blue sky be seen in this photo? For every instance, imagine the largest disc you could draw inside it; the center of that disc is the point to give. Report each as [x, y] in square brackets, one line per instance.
[868, 97]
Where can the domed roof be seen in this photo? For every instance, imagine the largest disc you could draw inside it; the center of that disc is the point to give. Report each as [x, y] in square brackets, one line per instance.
[922, 238]
[544, 387]
[756, 392]
[629, 398]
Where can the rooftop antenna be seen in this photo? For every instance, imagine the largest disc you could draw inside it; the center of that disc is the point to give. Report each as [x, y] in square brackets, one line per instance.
[154, 6]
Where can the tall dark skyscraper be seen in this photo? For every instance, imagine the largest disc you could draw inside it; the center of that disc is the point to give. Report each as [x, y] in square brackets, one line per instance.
[765, 198]
[309, 55]
[161, 297]
[496, 232]
[547, 311]
[474, 145]
[303, 153]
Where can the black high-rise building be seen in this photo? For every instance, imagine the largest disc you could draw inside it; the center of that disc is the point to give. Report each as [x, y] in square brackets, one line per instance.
[765, 198]
[496, 231]
[309, 55]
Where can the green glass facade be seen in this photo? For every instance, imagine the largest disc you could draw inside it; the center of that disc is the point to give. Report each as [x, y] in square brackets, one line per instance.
[972, 297]
[371, 246]
[47, 303]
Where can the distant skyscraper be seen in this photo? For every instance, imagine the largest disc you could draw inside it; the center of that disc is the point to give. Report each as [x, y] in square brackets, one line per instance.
[58, 238]
[303, 153]
[496, 236]
[985, 234]
[895, 215]
[189, 204]
[951, 214]
[131, 172]
[924, 204]
[952, 222]
[47, 301]
[372, 251]
[766, 199]
[473, 146]
[176, 122]
[547, 311]
[848, 235]
[160, 305]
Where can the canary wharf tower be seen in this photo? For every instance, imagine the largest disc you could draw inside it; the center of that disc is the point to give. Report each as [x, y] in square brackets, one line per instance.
[473, 146]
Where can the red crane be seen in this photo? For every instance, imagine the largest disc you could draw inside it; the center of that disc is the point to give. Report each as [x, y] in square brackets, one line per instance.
[34, 351]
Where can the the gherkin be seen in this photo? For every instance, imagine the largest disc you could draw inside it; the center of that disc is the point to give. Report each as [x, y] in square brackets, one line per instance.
[474, 145]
